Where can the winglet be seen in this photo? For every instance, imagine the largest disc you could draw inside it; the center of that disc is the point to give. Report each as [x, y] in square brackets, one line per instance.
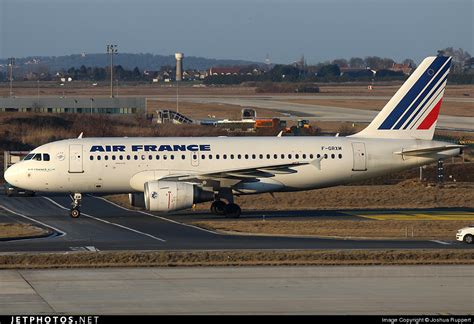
[80, 135]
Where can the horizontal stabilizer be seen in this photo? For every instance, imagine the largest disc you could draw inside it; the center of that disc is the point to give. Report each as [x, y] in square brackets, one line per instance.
[429, 150]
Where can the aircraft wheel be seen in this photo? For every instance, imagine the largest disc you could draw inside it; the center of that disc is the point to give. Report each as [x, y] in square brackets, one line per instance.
[218, 207]
[232, 211]
[75, 213]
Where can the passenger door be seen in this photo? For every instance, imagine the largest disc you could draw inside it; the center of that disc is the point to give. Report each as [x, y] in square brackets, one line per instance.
[359, 157]
[75, 158]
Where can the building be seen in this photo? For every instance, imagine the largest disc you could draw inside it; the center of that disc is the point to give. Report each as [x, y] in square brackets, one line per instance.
[224, 71]
[405, 68]
[84, 105]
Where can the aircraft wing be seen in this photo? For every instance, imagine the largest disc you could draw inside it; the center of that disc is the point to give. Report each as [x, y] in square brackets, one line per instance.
[233, 176]
[428, 150]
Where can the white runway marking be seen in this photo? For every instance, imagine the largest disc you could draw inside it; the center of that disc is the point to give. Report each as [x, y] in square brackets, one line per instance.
[107, 222]
[159, 217]
[61, 233]
[440, 242]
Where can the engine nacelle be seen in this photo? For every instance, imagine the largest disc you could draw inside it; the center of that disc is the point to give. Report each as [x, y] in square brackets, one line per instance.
[167, 196]
[137, 199]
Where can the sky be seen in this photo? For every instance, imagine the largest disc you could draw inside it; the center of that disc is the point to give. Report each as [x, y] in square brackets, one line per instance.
[238, 29]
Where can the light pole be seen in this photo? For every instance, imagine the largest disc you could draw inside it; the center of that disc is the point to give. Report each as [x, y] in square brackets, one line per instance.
[11, 63]
[92, 100]
[112, 50]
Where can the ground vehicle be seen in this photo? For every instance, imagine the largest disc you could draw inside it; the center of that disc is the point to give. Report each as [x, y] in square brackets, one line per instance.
[466, 234]
[14, 191]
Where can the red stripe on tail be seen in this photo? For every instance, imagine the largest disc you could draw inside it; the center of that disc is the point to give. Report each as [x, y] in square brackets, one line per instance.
[432, 117]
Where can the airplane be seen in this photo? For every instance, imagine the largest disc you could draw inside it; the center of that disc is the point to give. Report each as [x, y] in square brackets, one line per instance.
[167, 174]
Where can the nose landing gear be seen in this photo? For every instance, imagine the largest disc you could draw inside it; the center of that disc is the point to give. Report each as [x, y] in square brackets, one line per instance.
[76, 203]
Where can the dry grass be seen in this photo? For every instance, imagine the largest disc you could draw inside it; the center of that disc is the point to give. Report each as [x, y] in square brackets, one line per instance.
[20, 230]
[235, 258]
[441, 230]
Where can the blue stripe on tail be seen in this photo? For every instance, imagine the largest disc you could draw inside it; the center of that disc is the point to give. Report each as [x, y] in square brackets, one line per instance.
[423, 96]
[421, 83]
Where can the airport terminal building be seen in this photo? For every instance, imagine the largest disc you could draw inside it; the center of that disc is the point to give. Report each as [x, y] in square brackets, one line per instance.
[84, 105]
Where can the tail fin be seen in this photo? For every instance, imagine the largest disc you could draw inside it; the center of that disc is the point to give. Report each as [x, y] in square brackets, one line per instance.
[413, 111]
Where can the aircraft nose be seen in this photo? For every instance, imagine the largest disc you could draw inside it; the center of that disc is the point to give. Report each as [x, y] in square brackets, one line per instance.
[13, 175]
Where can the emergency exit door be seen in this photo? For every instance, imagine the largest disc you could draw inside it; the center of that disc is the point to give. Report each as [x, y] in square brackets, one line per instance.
[75, 158]
[359, 156]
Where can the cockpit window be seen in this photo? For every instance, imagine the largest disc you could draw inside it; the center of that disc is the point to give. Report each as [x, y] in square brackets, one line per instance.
[37, 157]
[46, 157]
[28, 157]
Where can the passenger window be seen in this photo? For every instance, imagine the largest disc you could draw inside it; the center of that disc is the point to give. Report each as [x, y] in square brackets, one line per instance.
[113, 157]
[325, 156]
[311, 156]
[246, 156]
[318, 156]
[283, 156]
[99, 157]
[260, 156]
[135, 157]
[340, 156]
[203, 157]
[157, 157]
[232, 156]
[210, 156]
[183, 157]
[333, 156]
[128, 157]
[46, 157]
[289, 156]
[106, 157]
[172, 157]
[165, 157]
[253, 156]
[304, 156]
[275, 156]
[297, 156]
[217, 156]
[120, 157]
[91, 158]
[224, 156]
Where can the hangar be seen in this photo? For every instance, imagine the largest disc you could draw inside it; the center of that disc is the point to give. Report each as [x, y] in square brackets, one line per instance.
[85, 105]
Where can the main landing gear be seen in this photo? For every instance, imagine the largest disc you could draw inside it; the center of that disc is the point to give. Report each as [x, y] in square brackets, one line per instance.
[229, 210]
[76, 203]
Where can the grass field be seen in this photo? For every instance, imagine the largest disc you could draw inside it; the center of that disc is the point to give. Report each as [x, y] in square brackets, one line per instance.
[20, 230]
[52, 88]
[369, 229]
[234, 258]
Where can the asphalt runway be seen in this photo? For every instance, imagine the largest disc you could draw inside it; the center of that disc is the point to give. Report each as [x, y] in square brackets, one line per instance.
[105, 226]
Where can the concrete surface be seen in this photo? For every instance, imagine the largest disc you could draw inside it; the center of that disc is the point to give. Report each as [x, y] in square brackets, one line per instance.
[258, 290]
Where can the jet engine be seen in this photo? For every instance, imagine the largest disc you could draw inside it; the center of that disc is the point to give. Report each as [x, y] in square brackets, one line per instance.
[167, 196]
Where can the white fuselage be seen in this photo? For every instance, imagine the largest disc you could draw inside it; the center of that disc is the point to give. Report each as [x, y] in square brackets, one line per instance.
[124, 165]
